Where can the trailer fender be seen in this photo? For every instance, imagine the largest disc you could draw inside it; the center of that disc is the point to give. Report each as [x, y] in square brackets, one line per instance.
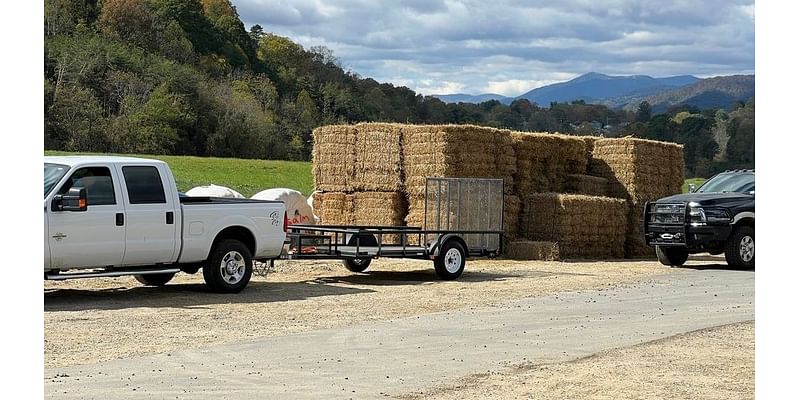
[434, 250]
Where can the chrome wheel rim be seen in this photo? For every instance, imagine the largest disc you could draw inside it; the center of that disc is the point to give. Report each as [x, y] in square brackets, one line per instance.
[452, 261]
[747, 248]
[232, 267]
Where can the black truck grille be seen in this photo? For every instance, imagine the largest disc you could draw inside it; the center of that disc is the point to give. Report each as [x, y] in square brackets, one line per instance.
[667, 214]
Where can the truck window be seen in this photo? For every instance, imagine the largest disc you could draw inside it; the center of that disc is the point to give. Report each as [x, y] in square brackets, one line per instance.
[97, 182]
[144, 185]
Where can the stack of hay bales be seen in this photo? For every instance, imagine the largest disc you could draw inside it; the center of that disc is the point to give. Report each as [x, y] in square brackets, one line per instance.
[458, 151]
[639, 171]
[583, 226]
[586, 184]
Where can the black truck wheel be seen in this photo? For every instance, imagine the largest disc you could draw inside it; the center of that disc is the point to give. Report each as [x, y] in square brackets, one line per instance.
[671, 255]
[229, 268]
[155, 279]
[740, 249]
[451, 260]
[359, 264]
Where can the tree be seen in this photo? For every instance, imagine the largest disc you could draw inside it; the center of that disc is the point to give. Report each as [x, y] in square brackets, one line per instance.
[643, 112]
[131, 21]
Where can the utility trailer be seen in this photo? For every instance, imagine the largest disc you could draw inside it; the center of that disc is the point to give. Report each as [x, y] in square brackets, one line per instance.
[463, 218]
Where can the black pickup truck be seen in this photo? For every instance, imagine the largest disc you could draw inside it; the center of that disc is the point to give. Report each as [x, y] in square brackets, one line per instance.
[718, 217]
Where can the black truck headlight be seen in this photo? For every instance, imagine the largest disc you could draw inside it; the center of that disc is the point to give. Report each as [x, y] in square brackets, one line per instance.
[697, 215]
[700, 215]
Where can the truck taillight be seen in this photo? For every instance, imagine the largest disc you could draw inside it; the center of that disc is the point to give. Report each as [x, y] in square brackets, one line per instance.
[285, 222]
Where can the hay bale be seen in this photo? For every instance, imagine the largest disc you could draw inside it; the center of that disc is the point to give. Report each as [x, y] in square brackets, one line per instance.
[464, 151]
[586, 184]
[531, 250]
[378, 157]
[544, 160]
[333, 208]
[583, 226]
[589, 142]
[380, 209]
[334, 158]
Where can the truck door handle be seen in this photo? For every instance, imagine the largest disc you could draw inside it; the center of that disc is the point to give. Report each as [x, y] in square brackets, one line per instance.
[120, 219]
[170, 217]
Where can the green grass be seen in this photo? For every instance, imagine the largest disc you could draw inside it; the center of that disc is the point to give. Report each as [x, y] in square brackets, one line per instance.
[247, 177]
[696, 181]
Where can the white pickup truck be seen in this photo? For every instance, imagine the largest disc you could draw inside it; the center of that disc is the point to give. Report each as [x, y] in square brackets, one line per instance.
[115, 216]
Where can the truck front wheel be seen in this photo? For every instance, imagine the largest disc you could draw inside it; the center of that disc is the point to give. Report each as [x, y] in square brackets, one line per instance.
[155, 279]
[671, 255]
[740, 250]
[229, 268]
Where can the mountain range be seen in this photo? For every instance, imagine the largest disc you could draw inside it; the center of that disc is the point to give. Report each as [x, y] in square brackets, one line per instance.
[628, 91]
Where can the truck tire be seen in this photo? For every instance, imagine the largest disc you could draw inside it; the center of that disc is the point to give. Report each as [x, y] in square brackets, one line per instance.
[451, 260]
[359, 264]
[229, 268]
[740, 249]
[671, 255]
[155, 279]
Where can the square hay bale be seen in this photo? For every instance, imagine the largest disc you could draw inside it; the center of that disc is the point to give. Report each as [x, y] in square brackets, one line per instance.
[531, 250]
[380, 209]
[511, 210]
[586, 184]
[334, 208]
[639, 170]
[583, 226]
[334, 158]
[635, 246]
[378, 157]
[464, 151]
[544, 160]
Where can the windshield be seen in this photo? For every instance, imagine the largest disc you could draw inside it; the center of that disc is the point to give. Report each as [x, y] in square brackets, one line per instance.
[737, 183]
[53, 174]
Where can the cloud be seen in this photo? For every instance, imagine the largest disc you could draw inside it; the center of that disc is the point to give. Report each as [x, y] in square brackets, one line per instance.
[474, 46]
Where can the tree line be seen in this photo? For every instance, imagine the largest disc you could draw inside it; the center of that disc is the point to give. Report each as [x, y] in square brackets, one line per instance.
[185, 77]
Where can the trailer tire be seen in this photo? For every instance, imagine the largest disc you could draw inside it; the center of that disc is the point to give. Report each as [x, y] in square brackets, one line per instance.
[671, 256]
[357, 264]
[155, 279]
[229, 268]
[451, 260]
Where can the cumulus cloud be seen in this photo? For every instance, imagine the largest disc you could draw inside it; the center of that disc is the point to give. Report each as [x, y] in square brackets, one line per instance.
[501, 46]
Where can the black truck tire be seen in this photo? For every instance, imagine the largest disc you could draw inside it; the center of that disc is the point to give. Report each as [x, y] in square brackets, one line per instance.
[229, 268]
[740, 249]
[671, 255]
[155, 279]
[359, 264]
[451, 260]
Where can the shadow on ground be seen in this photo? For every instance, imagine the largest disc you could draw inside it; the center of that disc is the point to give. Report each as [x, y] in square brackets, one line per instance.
[187, 295]
[417, 277]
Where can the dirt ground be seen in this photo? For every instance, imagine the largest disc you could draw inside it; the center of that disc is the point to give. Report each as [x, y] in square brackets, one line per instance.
[88, 321]
[717, 363]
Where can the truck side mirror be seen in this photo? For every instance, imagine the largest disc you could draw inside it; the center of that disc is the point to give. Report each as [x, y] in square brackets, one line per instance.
[692, 188]
[74, 200]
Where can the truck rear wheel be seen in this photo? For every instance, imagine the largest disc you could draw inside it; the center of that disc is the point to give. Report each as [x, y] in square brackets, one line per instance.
[740, 250]
[155, 279]
[229, 268]
[671, 255]
[451, 260]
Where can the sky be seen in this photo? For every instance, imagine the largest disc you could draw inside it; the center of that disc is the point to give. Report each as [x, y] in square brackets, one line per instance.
[511, 46]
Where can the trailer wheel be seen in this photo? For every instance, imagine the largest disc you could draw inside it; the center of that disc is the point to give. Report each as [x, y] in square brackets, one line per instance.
[671, 256]
[229, 268]
[357, 264]
[155, 279]
[451, 260]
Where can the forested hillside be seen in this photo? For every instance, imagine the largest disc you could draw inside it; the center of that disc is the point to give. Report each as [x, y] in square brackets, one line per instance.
[187, 77]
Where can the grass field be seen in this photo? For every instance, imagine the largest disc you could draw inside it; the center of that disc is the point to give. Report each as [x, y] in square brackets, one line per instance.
[696, 181]
[247, 177]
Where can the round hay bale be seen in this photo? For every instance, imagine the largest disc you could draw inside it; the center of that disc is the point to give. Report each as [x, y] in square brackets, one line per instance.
[297, 208]
[214, 191]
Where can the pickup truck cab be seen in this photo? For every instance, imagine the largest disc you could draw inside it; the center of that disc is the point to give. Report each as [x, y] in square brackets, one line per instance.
[718, 217]
[115, 216]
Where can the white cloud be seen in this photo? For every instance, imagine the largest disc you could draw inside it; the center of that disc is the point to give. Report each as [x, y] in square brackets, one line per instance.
[478, 46]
